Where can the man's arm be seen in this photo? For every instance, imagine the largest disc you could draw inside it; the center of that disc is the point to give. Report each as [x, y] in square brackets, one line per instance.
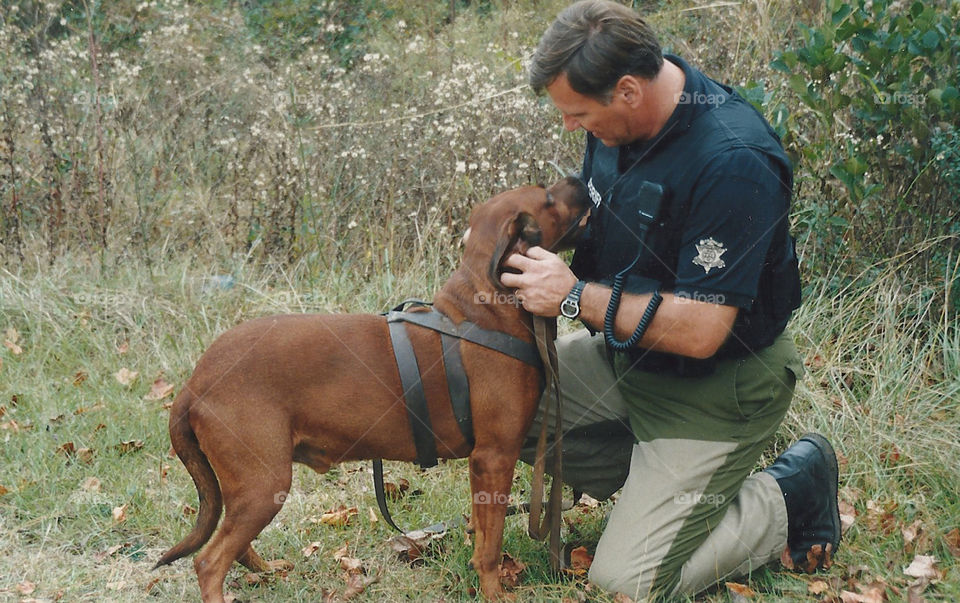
[680, 326]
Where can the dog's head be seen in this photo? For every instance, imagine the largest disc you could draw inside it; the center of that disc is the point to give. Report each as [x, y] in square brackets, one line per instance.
[519, 219]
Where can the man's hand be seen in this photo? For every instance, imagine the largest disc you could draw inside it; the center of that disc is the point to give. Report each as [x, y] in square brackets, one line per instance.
[544, 280]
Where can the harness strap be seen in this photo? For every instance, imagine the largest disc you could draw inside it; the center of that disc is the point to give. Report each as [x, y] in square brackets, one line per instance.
[413, 393]
[457, 385]
[495, 340]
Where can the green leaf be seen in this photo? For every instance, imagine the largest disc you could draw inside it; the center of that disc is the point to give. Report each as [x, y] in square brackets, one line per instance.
[930, 40]
[841, 13]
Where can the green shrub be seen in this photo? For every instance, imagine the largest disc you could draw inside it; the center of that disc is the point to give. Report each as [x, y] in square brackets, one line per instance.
[876, 86]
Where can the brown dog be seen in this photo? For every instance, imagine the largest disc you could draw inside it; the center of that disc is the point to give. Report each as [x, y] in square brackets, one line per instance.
[322, 389]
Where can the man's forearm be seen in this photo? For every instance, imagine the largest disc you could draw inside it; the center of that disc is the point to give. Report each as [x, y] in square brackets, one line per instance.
[680, 326]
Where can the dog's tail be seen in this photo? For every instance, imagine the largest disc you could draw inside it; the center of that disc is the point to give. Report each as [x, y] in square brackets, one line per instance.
[185, 443]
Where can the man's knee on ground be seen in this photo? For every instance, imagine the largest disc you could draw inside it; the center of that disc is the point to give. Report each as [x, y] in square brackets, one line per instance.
[618, 573]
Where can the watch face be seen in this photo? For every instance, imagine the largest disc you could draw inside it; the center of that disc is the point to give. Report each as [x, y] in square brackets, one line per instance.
[570, 308]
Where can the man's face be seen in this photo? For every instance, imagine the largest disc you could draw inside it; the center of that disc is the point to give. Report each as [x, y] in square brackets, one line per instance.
[609, 123]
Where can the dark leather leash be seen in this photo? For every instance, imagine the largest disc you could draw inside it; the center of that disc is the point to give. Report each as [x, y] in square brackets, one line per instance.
[545, 334]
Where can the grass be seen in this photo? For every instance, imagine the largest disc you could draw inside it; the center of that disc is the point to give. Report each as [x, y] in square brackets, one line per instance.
[883, 383]
[246, 181]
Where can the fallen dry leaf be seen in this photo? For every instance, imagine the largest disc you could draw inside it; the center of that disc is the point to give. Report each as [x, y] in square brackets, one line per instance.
[13, 347]
[159, 390]
[123, 347]
[120, 513]
[129, 446]
[740, 592]
[338, 517]
[108, 552]
[622, 598]
[915, 590]
[339, 553]
[82, 410]
[848, 515]
[312, 548]
[396, 491]
[150, 585]
[85, 455]
[875, 592]
[125, 376]
[3, 491]
[411, 546]
[580, 559]
[588, 501]
[91, 484]
[818, 587]
[80, 377]
[952, 540]
[510, 570]
[372, 515]
[26, 587]
[67, 449]
[924, 566]
[188, 511]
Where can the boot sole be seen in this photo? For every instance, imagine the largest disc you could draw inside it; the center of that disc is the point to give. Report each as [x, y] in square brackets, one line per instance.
[833, 468]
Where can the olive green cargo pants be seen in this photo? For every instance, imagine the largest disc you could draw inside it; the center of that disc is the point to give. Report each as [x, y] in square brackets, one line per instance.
[690, 513]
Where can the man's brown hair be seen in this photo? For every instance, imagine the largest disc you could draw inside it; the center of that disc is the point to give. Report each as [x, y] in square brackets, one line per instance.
[595, 43]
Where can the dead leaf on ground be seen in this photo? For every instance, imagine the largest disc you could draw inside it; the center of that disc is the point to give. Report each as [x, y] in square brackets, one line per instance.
[356, 577]
[120, 513]
[875, 592]
[396, 491]
[150, 585]
[340, 553]
[108, 552]
[818, 587]
[880, 518]
[13, 347]
[129, 446]
[413, 544]
[588, 501]
[312, 548]
[580, 560]
[188, 511]
[3, 491]
[372, 515]
[915, 590]
[510, 570]
[952, 540]
[159, 390]
[740, 592]
[67, 449]
[125, 376]
[82, 410]
[338, 517]
[91, 484]
[622, 598]
[79, 377]
[26, 587]
[848, 515]
[924, 566]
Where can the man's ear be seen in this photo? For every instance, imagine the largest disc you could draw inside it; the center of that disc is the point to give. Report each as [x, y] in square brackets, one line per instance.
[630, 89]
[516, 235]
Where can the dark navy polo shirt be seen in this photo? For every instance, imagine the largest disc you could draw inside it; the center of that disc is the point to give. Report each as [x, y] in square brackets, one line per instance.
[722, 234]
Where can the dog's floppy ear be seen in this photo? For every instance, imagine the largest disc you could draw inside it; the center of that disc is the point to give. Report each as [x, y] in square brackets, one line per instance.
[516, 235]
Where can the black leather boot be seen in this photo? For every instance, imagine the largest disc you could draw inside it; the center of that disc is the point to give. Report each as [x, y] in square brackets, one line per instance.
[807, 475]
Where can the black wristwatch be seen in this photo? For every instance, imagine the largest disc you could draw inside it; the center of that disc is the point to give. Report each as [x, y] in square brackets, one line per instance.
[570, 306]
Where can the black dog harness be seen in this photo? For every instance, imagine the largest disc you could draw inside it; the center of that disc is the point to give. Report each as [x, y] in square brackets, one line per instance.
[410, 377]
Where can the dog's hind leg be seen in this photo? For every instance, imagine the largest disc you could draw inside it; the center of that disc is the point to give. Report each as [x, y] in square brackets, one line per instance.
[255, 471]
[247, 512]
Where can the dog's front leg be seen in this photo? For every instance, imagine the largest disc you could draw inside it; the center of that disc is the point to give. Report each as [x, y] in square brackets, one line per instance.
[491, 474]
